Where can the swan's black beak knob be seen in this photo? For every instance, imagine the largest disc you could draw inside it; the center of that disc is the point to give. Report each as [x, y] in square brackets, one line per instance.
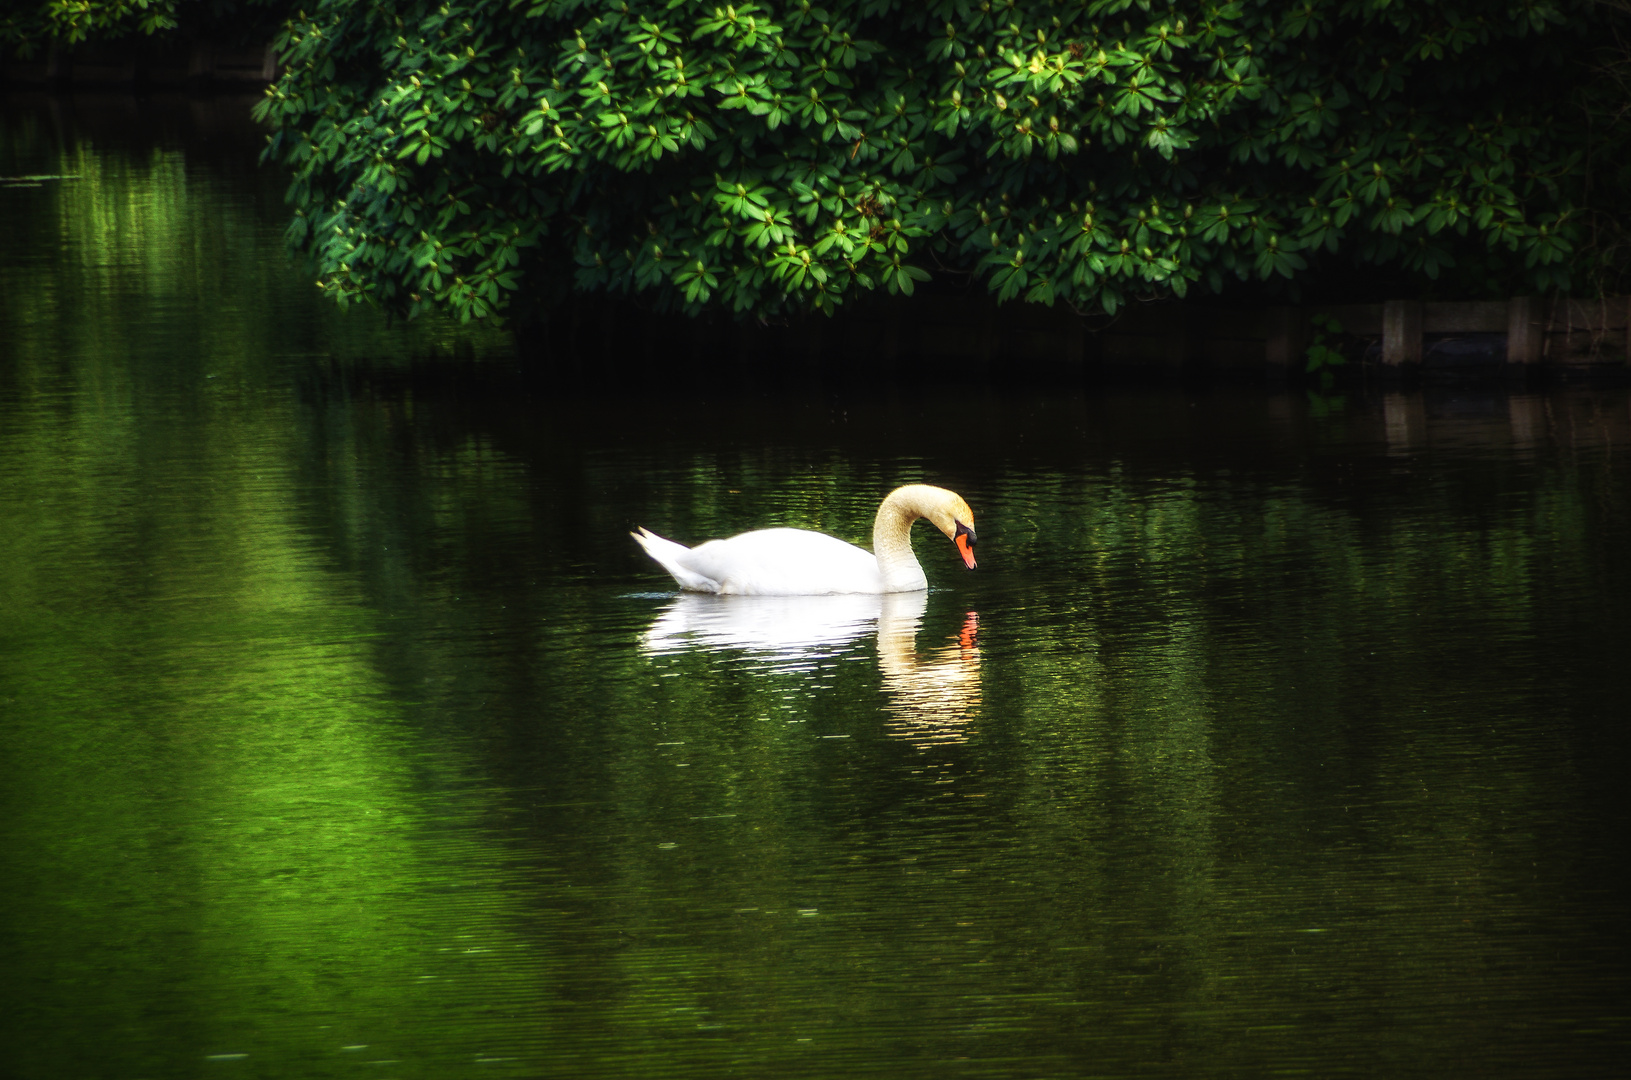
[964, 539]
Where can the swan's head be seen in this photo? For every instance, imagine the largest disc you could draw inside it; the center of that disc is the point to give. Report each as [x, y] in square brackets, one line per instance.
[947, 511]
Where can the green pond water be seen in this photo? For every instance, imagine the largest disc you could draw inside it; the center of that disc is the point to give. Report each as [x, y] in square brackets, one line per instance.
[344, 732]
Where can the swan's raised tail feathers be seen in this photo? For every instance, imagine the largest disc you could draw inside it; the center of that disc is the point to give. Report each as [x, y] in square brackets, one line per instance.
[670, 556]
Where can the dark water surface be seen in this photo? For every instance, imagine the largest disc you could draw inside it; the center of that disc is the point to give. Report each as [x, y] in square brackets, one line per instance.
[344, 732]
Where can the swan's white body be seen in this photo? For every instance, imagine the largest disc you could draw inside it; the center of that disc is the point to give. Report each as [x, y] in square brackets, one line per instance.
[797, 562]
[772, 562]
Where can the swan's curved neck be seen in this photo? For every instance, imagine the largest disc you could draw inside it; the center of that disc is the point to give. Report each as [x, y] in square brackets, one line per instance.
[892, 543]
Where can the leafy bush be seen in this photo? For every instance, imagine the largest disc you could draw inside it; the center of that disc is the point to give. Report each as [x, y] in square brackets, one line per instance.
[772, 157]
[28, 27]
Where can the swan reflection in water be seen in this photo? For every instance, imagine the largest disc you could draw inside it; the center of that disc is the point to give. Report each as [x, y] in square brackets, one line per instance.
[931, 697]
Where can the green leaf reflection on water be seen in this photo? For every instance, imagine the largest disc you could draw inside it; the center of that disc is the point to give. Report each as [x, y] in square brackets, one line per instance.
[212, 801]
[219, 837]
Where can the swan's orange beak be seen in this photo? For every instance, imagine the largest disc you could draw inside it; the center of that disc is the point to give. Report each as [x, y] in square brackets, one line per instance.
[965, 544]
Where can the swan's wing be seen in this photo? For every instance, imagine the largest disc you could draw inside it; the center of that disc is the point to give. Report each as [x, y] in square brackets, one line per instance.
[672, 557]
[786, 562]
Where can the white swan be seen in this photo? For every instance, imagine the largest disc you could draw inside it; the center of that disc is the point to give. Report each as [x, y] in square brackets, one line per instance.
[798, 562]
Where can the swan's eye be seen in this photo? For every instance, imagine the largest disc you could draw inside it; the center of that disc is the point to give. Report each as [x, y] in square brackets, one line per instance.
[965, 530]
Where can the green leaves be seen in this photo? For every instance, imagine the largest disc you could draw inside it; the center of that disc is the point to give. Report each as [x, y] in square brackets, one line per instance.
[767, 157]
[1279, 256]
[28, 28]
[697, 281]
